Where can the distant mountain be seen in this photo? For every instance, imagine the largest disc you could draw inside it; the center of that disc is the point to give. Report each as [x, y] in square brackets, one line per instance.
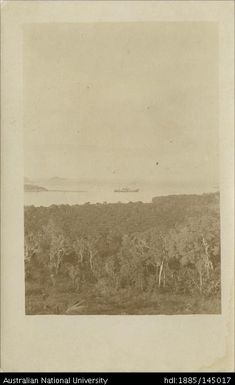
[57, 179]
[33, 188]
[27, 180]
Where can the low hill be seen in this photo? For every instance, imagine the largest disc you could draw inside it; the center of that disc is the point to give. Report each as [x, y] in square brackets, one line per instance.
[33, 188]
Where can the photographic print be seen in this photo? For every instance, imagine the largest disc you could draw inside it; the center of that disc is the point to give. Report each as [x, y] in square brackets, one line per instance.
[121, 168]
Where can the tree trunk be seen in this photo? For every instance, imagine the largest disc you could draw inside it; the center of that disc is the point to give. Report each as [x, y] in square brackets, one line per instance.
[160, 274]
[91, 260]
[200, 279]
[208, 263]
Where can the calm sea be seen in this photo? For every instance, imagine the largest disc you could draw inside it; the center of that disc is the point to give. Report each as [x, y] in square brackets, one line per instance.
[73, 198]
[98, 196]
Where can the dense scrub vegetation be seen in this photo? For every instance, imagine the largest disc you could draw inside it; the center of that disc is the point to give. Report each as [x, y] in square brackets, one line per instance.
[137, 258]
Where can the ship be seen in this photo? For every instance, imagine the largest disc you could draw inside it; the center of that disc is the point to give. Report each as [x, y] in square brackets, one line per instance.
[126, 190]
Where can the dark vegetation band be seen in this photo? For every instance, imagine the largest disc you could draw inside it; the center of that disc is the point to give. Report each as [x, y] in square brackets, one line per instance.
[136, 258]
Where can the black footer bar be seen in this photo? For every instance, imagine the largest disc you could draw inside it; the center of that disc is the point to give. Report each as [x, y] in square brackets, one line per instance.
[117, 378]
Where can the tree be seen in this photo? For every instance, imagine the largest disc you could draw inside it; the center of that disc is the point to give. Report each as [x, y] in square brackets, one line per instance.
[195, 245]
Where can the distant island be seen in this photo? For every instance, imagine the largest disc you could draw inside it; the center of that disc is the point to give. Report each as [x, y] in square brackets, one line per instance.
[33, 188]
[28, 187]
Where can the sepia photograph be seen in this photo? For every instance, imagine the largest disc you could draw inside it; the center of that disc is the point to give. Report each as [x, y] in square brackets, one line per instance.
[121, 168]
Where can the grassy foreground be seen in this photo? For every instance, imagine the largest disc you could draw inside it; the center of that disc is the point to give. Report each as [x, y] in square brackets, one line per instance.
[124, 302]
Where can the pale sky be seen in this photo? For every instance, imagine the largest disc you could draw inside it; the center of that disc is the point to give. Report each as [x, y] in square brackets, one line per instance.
[109, 100]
